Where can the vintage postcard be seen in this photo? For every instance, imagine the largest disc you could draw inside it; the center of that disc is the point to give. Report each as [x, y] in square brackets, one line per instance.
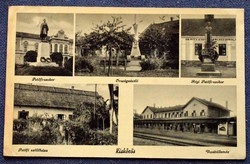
[125, 83]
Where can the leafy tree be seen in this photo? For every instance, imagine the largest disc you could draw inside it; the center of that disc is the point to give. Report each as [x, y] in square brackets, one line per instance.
[57, 57]
[161, 37]
[111, 34]
[30, 56]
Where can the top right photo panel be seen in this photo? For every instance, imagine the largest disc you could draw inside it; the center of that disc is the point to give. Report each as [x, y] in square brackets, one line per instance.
[208, 46]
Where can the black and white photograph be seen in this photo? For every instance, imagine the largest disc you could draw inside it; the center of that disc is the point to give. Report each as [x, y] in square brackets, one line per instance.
[185, 115]
[129, 45]
[65, 114]
[208, 46]
[44, 44]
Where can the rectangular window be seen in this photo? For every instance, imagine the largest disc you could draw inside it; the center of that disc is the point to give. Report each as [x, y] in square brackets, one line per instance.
[222, 50]
[198, 48]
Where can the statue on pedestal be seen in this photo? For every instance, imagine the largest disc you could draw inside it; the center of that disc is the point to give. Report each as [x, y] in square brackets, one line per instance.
[44, 28]
[209, 55]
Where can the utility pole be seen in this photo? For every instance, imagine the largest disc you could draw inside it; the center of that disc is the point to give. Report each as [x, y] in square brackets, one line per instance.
[111, 92]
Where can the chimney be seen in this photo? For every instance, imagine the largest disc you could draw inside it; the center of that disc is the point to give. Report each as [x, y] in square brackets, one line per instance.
[211, 100]
[171, 19]
[154, 105]
[227, 104]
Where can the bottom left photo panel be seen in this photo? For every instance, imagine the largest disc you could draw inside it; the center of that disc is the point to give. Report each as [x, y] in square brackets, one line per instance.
[65, 114]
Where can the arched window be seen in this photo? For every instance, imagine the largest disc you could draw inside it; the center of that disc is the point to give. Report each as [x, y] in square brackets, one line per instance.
[66, 49]
[25, 46]
[194, 113]
[202, 113]
[55, 48]
[36, 47]
[61, 48]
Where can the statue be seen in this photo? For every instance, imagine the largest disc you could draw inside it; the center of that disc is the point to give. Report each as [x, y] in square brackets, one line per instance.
[209, 52]
[209, 55]
[44, 28]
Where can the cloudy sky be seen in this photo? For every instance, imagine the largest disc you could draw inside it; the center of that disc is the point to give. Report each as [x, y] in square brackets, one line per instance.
[30, 23]
[164, 95]
[85, 22]
[101, 89]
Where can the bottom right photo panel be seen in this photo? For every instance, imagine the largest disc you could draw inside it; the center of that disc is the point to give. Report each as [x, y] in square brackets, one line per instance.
[176, 115]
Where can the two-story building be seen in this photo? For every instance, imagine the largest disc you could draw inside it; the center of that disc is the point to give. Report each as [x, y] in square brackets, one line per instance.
[29, 42]
[197, 115]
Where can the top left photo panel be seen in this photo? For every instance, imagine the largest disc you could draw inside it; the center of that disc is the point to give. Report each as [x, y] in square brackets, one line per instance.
[44, 44]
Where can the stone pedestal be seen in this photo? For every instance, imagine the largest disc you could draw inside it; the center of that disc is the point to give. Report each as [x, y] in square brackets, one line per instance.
[208, 69]
[44, 52]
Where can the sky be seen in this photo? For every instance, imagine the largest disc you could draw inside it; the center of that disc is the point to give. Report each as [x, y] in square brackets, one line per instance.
[101, 89]
[197, 16]
[30, 23]
[85, 22]
[165, 95]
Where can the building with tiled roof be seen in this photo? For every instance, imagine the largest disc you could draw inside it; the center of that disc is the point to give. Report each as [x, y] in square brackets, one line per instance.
[52, 101]
[193, 38]
[197, 115]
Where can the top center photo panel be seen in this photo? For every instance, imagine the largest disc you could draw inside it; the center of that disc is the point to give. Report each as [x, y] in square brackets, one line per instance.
[127, 45]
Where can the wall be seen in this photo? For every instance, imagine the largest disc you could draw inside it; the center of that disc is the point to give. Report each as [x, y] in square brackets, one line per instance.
[147, 114]
[197, 106]
[52, 112]
[188, 47]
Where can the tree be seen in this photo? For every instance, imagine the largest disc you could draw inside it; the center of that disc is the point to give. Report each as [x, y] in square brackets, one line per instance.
[57, 57]
[162, 37]
[111, 34]
[30, 56]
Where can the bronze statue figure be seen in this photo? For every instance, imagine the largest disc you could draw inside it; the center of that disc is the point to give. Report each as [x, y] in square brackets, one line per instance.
[44, 28]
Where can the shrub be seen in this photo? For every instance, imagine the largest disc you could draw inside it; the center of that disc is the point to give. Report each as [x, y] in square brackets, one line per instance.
[48, 134]
[57, 57]
[20, 124]
[174, 64]
[85, 64]
[69, 64]
[30, 56]
[151, 64]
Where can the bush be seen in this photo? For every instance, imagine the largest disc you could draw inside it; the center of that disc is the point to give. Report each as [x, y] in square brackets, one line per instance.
[46, 134]
[30, 56]
[20, 124]
[151, 64]
[173, 64]
[69, 64]
[85, 64]
[57, 57]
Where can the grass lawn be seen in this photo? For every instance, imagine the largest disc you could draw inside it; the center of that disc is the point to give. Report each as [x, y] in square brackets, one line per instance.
[42, 71]
[122, 73]
[192, 71]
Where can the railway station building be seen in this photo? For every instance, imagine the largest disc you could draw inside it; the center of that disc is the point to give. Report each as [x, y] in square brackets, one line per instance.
[197, 115]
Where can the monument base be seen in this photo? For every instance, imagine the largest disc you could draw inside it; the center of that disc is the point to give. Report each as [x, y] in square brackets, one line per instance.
[209, 74]
[41, 64]
[43, 51]
[208, 69]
